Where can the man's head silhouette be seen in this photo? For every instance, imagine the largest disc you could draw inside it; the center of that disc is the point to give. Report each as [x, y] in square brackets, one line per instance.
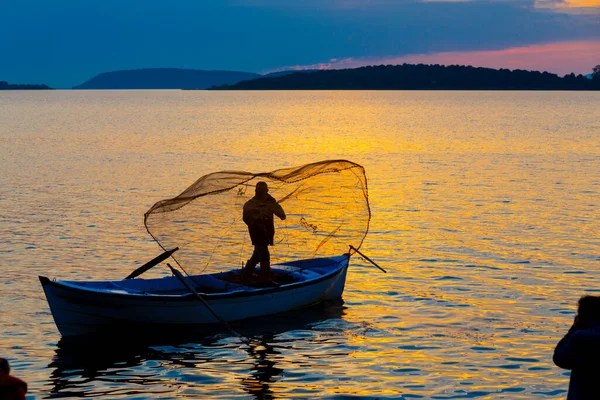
[261, 189]
[588, 310]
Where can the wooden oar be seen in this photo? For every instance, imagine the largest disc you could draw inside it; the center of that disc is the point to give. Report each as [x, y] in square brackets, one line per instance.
[367, 258]
[191, 289]
[152, 263]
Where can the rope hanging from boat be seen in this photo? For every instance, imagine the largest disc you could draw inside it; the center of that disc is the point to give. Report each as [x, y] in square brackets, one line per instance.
[326, 204]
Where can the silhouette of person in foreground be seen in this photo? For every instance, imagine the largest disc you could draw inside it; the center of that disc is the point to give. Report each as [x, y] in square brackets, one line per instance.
[258, 215]
[579, 351]
[11, 388]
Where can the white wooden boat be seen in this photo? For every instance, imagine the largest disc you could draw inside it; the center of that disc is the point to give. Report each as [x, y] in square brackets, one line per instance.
[327, 220]
[95, 307]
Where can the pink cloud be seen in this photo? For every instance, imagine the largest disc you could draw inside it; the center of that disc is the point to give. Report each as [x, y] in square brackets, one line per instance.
[560, 58]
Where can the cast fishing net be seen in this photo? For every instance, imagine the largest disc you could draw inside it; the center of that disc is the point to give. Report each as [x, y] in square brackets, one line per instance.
[326, 204]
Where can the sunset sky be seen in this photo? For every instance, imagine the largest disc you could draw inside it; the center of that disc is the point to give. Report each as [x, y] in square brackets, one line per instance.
[64, 42]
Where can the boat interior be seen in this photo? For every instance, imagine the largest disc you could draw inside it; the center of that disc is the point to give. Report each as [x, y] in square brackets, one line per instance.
[224, 282]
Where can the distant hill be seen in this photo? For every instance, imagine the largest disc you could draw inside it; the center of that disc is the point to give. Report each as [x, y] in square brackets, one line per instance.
[164, 78]
[419, 77]
[286, 72]
[171, 78]
[15, 86]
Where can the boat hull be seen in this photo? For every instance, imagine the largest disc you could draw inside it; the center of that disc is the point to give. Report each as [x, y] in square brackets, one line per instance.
[78, 311]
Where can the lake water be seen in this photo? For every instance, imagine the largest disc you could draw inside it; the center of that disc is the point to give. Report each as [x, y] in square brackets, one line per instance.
[485, 214]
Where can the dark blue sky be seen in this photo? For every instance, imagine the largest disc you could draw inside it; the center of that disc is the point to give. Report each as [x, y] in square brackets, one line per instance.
[65, 42]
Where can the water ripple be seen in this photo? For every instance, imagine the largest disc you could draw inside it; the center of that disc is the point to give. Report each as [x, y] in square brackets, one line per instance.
[486, 254]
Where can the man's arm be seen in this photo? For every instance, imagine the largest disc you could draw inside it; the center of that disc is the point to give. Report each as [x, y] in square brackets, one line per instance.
[250, 213]
[563, 353]
[278, 210]
[275, 208]
[245, 214]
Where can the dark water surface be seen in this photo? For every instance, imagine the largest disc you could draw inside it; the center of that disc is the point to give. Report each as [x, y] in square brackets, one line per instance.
[485, 213]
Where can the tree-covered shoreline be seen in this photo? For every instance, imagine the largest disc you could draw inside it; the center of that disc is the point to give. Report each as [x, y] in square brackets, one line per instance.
[420, 77]
[15, 86]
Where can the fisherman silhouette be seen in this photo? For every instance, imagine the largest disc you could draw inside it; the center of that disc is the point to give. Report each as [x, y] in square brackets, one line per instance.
[11, 388]
[579, 351]
[258, 215]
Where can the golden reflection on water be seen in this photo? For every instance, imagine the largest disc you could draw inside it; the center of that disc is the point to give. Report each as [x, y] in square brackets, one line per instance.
[485, 214]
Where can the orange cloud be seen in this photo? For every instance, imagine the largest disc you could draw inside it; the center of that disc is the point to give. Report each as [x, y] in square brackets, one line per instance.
[560, 58]
[591, 7]
[582, 3]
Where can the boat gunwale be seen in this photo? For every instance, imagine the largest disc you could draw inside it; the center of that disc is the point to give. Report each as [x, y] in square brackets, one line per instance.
[45, 281]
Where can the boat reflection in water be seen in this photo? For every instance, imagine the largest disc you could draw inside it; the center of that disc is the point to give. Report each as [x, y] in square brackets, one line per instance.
[264, 370]
[194, 363]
